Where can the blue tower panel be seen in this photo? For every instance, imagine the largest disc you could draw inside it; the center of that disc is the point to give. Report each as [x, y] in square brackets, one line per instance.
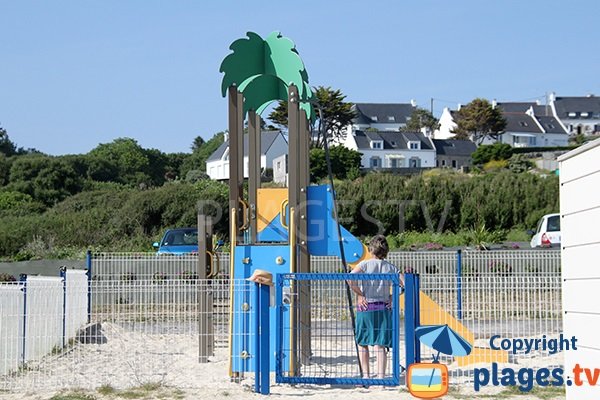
[271, 258]
[323, 238]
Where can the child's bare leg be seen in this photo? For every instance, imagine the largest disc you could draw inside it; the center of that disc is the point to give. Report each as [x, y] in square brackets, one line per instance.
[381, 361]
[364, 360]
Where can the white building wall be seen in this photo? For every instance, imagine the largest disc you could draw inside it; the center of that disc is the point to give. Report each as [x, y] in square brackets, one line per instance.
[427, 157]
[219, 169]
[580, 214]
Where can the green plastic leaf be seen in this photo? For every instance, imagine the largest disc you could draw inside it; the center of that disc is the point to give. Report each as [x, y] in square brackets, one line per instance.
[285, 62]
[246, 60]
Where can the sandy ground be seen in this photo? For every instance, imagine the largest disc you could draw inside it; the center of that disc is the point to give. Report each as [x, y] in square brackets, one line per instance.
[132, 364]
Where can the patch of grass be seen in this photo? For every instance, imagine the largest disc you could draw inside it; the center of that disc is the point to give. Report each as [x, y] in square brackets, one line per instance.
[131, 394]
[106, 390]
[517, 235]
[76, 395]
[150, 387]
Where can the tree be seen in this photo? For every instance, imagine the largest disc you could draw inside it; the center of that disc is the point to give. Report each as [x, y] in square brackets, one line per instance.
[7, 147]
[345, 163]
[197, 143]
[478, 120]
[421, 118]
[125, 157]
[46, 179]
[337, 115]
[197, 160]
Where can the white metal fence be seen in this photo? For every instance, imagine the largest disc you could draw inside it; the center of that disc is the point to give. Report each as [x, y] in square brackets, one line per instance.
[39, 319]
[146, 315]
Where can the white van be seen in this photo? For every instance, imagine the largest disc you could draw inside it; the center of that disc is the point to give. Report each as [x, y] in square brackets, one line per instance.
[547, 233]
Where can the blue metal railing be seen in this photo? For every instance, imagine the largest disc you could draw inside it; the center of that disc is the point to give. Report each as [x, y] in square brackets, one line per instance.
[312, 279]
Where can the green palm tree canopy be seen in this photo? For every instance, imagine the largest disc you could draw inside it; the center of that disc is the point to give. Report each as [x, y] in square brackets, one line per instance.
[263, 70]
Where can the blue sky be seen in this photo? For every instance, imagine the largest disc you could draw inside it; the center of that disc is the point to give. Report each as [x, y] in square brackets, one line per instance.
[78, 73]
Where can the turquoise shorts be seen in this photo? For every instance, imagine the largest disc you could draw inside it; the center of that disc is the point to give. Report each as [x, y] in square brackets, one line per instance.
[374, 328]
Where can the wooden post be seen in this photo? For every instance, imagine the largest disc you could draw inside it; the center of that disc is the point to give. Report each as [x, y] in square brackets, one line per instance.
[205, 300]
[236, 156]
[303, 256]
[254, 159]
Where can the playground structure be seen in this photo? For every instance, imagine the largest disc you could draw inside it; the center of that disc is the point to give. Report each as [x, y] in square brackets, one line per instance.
[279, 229]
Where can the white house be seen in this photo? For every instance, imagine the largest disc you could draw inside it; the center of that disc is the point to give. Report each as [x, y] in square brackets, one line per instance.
[527, 125]
[530, 130]
[578, 114]
[272, 145]
[387, 149]
[381, 116]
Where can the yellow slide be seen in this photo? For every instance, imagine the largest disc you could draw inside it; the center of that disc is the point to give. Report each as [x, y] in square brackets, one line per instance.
[431, 313]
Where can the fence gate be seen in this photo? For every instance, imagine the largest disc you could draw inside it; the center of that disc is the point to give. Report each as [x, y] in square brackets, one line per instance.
[322, 349]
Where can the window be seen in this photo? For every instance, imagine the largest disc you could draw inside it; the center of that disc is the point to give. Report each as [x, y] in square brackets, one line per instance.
[443, 163]
[394, 163]
[391, 118]
[550, 126]
[584, 115]
[453, 163]
[532, 141]
[376, 144]
[393, 143]
[572, 114]
[553, 224]
[374, 118]
[523, 123]
[414, 145]
[375, 162]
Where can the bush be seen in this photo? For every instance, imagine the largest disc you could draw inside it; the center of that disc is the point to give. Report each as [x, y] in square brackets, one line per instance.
[486, 153]
[495, 165]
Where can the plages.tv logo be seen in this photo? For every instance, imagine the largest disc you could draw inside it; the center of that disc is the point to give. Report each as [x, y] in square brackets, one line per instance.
[430, 380]
[427, 380]
[525, 378]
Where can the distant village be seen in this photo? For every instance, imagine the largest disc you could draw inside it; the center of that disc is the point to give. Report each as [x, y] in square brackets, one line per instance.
[379, 133]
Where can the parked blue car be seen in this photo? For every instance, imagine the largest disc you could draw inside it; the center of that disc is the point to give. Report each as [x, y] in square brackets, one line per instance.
[178, 241]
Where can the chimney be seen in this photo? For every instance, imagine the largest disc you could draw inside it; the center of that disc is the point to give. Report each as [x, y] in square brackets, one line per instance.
[413, 102]
[529, 111]
[458, 107]
[494, 103]
[225, 137]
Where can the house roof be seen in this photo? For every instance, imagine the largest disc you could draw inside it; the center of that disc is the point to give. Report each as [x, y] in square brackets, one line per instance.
[383, 113]
[266, 141]
[454, 147]
[391, 140]
[524, 106]
[588, 104]
[551, 124]
[520, 122]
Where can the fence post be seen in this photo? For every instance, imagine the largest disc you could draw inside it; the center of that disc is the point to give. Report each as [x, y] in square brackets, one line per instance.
[88, 263]
[411, 318]
[63, 275]
[396, 329]
[459, 283]
[261, 338]
[23, 279]
[279, 327]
